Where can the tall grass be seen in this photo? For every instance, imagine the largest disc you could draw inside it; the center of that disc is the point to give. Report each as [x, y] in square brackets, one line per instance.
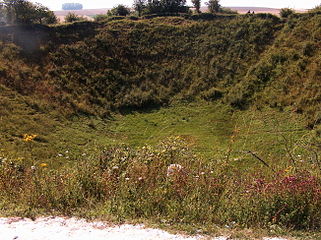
[135, 183]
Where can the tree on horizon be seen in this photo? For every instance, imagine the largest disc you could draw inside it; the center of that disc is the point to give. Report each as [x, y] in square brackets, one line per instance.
[119, 10]
[214, 6]
[197, 5]
[166, 6]
[139, 6]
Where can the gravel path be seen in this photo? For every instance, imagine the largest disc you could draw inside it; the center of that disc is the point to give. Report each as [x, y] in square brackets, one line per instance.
[58, 228]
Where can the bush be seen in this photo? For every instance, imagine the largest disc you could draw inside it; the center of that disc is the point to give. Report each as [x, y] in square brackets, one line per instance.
[72, 17]
[101, 17]
[286, 12]
[214, 6]
[120, 10]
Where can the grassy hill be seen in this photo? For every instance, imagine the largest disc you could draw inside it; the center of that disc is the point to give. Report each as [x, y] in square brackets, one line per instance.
[128, 64]
[94, 113]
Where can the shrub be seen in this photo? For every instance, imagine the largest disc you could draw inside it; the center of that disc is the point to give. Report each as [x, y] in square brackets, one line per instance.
[120, 10]
[286, 12]
[72, 17]
[101, 17]
[213, 6]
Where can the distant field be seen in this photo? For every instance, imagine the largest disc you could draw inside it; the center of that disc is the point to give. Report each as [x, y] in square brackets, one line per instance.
[242, 10]
[87, 13]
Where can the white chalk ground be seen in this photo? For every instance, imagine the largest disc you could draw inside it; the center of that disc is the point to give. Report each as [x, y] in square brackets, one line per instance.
[59, 228]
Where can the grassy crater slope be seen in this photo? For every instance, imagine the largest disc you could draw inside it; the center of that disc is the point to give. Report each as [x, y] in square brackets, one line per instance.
[90, 122]
[150, 63]
[131, 64]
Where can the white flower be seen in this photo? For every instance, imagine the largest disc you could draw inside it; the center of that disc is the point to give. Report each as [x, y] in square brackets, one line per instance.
[33, 168]
[173, 169]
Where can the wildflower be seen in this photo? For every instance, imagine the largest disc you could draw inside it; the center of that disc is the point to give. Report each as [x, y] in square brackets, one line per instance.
[59, 155]
[288, 170]
[33, 168]
[43, 165]
[140, 178]
[28, 138]
[173, 169]
[127, 179]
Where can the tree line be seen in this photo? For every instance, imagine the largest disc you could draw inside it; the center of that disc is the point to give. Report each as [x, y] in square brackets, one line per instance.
[143, 7]
[25, 12]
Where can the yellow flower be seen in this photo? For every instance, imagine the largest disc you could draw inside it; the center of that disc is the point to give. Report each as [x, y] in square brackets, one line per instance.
[43, 165]
[289, 169]
[28, 138]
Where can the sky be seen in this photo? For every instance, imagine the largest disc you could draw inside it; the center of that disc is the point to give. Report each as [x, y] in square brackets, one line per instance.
[91, 4]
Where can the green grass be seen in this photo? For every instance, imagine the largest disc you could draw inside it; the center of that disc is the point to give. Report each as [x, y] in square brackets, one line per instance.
[206, 127]
[55, 133]
[209, 127]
